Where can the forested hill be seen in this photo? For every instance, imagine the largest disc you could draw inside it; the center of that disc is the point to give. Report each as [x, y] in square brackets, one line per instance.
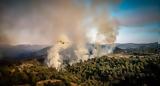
[103, 71]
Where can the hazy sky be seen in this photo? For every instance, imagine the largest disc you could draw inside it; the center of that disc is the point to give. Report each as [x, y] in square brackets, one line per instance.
[138, 21]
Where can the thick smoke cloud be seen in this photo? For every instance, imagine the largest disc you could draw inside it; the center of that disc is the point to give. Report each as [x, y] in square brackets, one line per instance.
[36, 22]
[63, 24]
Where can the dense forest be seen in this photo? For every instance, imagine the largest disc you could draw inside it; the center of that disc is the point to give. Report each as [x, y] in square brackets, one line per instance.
[102, 71]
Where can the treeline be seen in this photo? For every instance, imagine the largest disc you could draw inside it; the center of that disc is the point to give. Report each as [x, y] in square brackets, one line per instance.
[133, 71]
[103, 71]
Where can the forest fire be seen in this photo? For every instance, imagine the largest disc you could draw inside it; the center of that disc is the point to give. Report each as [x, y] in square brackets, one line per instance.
[79, 43]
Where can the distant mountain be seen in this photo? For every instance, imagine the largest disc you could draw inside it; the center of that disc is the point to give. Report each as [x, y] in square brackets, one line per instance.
[133, 45]
[40, 51]
[18, 51]
[147, 48]
[118, 50]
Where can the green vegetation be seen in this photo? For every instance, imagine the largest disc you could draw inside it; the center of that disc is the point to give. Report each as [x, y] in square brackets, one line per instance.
[103, 71]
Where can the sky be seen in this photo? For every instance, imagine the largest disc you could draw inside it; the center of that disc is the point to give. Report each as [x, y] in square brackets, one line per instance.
[137, 21]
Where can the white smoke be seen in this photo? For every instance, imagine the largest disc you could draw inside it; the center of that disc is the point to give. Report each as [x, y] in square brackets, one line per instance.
[96, 41]
[77, 29]
[79, 39]
[64, 50]
[54, 58]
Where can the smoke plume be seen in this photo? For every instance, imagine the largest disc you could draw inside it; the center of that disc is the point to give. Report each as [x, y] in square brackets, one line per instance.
[104, 33]
[67, 25]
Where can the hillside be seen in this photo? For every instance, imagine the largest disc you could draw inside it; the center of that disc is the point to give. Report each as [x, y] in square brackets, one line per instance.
[103, 71]
[18, 51]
